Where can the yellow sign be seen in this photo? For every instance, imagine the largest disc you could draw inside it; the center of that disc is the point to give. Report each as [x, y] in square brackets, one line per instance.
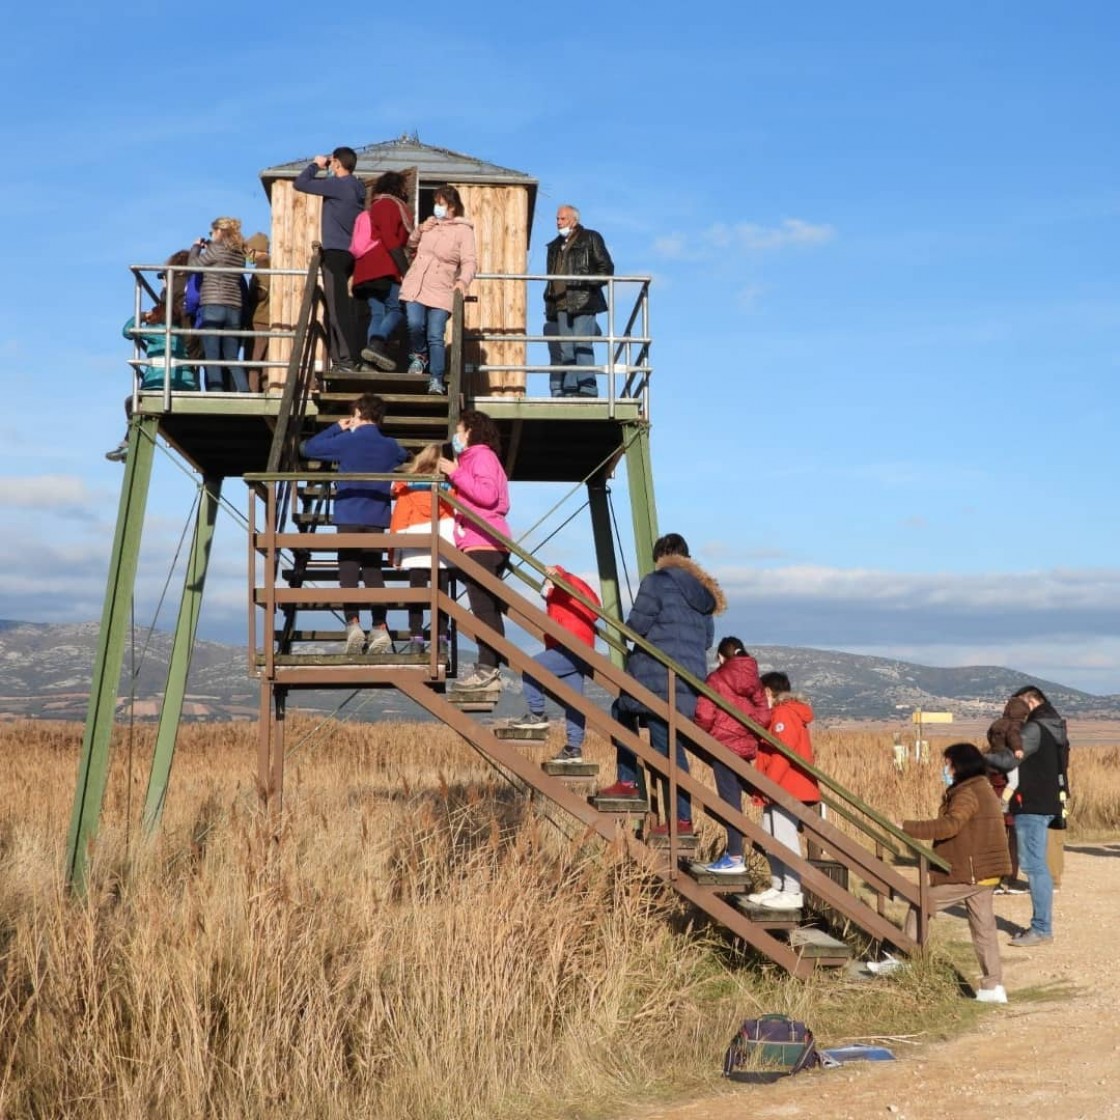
[931, 717]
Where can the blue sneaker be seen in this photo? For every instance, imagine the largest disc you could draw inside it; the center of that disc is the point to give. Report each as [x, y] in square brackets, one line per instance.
[727, 865]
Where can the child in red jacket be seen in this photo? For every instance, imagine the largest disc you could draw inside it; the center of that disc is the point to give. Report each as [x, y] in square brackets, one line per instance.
[736, 680]
[790, 717]
[580, 620]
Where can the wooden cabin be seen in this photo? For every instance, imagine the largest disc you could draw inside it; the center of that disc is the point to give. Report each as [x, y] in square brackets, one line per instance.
[498, 201]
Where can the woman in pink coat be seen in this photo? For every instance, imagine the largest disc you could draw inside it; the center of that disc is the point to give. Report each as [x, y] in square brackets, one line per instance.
[481, 485]
[445, 261]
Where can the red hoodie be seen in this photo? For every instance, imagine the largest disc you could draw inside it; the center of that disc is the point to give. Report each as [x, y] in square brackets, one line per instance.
[736, 680]
[789, 723]
[570, 612]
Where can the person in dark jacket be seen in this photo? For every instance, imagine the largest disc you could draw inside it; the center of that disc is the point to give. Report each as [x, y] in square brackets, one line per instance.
[736, 680]
[344, 198]
[673, 611]
[968, 834]
[358, 446]
[1037, 802]
[570, 306]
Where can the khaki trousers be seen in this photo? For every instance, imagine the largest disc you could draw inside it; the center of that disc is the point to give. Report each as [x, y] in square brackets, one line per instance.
[981, 924]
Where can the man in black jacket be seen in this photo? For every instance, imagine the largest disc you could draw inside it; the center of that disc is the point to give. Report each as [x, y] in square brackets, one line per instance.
[570, 306]
[1037, 801]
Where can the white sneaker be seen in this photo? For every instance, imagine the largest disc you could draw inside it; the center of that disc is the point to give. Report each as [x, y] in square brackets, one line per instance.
[998, 994]
[380, 641]
[784, 901]
[759, 897]
[355, 640]
[481, 678]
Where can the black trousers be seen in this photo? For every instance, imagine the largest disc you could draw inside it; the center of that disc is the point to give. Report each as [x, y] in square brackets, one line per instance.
[365, 563]
[484, 606]
[338, 265]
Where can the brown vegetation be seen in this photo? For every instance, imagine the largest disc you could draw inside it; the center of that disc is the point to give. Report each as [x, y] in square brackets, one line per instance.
[419, 941]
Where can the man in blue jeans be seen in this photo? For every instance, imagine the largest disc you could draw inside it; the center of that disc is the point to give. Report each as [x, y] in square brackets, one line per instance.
[1036, 803]
[570, 306]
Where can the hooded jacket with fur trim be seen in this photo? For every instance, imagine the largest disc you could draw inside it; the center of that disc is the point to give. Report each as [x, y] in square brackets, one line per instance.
[674, 611]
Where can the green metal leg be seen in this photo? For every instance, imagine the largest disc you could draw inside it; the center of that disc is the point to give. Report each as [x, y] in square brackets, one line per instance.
[182, 647]
[605, 556]
[93, 769]
[639, 474]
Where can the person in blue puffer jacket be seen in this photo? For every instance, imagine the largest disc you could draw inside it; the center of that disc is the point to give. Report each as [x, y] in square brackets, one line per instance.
[674, 611]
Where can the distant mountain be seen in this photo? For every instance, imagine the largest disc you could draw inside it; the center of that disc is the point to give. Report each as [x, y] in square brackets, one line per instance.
[46, 672]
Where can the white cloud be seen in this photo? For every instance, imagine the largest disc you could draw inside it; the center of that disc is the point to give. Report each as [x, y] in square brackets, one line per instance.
[791, 233]
[55, 492]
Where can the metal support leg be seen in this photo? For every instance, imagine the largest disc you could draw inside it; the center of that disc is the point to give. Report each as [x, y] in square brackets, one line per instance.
[93, 768]
[605, 555]
[643, 509]
[182, 647]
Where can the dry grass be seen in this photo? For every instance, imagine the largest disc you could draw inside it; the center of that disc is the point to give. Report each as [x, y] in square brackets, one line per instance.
[418, 944]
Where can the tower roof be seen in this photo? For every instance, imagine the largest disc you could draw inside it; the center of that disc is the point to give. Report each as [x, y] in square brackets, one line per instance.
[433, 164]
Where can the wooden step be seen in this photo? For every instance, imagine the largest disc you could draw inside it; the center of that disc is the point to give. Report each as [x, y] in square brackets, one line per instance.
[409, 660]
[631, 806]
[708, 878]
[684, 843]
[475, 699]
[580, 769]
[771, 919]
[537, 737]
[822, 947]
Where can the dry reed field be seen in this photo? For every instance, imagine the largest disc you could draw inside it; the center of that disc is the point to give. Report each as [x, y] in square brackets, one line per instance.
[419, 941]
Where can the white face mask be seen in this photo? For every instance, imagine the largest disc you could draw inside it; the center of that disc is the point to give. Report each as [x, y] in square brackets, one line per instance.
[947, 775]
[440, 211]
[565, 232]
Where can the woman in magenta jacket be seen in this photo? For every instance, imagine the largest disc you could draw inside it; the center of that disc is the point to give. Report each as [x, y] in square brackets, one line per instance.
[481, 485]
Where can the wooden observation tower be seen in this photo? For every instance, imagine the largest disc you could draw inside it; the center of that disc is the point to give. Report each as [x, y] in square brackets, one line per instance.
[497, 362]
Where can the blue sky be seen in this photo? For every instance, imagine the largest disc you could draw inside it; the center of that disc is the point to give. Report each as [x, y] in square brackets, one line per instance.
[884, 243]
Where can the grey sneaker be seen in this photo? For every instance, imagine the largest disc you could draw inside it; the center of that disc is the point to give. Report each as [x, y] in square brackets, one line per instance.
[355, 640]
[530, 721]
[480, 678]
[569, 754]
[436, 387]
[1029, 938]
[119, 453]
[380, 641]
[417, 645]
[376, 354]
[416, 365]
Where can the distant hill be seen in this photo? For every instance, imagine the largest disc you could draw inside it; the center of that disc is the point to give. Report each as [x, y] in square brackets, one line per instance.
[47, 668]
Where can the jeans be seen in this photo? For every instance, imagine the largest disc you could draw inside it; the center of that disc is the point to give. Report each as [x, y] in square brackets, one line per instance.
[729, 786]
[1030, 831]
[385, 314]
[222, 317]
[560, 663]
[659, 740]
[565, 353]
[784, 828]
[426, 328]
[353, 562]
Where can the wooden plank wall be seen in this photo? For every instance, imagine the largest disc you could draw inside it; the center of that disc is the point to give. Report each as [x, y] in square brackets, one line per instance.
[501, 217]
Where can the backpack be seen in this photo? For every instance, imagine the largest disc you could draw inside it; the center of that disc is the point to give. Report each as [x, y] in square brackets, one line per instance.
[775, 1043]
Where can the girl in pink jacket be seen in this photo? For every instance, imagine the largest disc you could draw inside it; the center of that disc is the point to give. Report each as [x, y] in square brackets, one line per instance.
[445, 261]
[481, 485]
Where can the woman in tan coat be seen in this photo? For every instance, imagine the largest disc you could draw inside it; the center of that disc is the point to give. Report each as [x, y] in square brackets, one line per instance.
[969, 834]
[445, 261]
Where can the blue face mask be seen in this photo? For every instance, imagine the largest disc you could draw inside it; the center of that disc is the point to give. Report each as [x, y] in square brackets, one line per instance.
[439, 210]
[947, 775]
[458, 444]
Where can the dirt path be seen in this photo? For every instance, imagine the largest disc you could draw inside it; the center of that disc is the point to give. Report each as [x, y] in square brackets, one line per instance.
[1052, 1060]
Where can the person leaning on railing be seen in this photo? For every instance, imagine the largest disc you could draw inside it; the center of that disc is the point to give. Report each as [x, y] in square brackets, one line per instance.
[221, 301]
[968, 833]
[481, 485]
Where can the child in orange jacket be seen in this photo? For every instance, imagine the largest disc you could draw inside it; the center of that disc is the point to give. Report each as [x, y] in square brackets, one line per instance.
[790, 717]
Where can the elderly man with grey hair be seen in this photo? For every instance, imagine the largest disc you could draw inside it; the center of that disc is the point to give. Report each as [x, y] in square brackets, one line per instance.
[570, 306]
